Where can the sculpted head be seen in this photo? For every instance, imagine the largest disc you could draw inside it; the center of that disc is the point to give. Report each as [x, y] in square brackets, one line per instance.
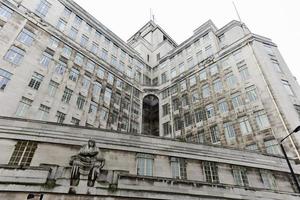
[91, 143]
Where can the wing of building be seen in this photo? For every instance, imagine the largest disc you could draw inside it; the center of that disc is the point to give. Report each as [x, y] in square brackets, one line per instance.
[85, 114]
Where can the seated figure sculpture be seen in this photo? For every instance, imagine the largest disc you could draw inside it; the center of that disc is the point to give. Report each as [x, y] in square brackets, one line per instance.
[86, 163]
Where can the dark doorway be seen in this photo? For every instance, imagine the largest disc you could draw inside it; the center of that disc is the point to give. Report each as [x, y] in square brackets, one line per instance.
[150, 115]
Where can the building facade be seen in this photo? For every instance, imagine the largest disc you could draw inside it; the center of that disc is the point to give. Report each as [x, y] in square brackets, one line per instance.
[223, 87]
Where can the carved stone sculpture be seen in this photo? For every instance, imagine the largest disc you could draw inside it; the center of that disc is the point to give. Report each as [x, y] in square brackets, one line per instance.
[86, 163]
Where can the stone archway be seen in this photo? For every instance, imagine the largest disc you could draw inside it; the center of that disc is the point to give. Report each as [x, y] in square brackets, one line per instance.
[150, 120]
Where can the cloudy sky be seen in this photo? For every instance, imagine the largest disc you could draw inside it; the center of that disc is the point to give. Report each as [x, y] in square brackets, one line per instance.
[276, 19]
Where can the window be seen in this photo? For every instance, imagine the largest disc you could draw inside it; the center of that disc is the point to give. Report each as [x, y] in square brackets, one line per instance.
[23, 107]
[61, 25]
[97, 89]
[243, 70]
[210, 112]
[199, 56]
[43, 8]
[60, 68]
[114, 49]
[229, 130]
[86, 81]
[84, 40]
[177, 124]
[113, 61]
[297, 107]
[245, 126]
[74, 74]
[80, 101]
[231, 80]
[225, 63]
[110, 79]
[75, 121]
[26, 37]
[252, 147]
[5, 12]
[188, 119]
[46, 59]
[104, 54]
[107, 96]
[166, 109]
[262, 120]
[215, 135]
[236, 100]
[190, 62]
[195, 96]
[193, 80]
[164, 78]
[88, 28]
[200, 115]
[53, 43]
[183, 85]
[4, 78]
[77, 20]
[218, 87]
[122, 54]
[175, 104]
[79, 59]
[144, 164]
[43, 112]
[67, 95]
[276, 65]
[103, 115]
[173, 72]
[98, 34]
[205, 37]
[100, 72]
[73, 33]
[67, 51]
[67, 12]
[167, 128]
[197, 138]
[208, 50]
[205, 91]
[106, 42]
[23, 153]
[237, 55]
[60, 117]
[178, 168]
[52, 88]
[213, 70]
[185, 100]
[90, 66]
[240, 176]
[35, 81]
[14, 55]
[268, 179]
[202, 75]
[272, 147]
[287, 87]
[94, 48]
[223, 106]
[119, 84]
[211, 172]
[181, 68]
[158, 57]
[251, 93]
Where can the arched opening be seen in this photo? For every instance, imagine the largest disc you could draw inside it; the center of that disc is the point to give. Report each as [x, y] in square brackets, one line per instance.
[150, 115]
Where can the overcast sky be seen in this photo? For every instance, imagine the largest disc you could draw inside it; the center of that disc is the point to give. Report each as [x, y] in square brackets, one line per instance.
[276, 19]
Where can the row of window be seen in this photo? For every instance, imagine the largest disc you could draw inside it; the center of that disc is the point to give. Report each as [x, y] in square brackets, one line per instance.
[24, 151]
[145, 164]
[104, 113]
[217, 84]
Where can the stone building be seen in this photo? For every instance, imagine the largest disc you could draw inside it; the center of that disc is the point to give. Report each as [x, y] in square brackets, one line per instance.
[204, 116]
